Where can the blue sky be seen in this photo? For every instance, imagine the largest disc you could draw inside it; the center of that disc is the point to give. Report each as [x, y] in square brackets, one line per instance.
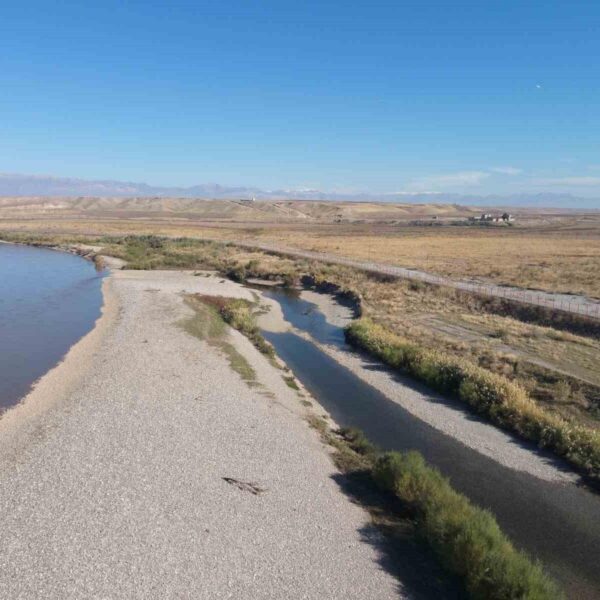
[478, 97]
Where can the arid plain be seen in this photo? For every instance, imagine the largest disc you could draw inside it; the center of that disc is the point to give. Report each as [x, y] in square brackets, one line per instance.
[546, 362]
[550, 249]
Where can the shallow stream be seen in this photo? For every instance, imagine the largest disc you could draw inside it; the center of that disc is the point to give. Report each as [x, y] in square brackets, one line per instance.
[556, 523]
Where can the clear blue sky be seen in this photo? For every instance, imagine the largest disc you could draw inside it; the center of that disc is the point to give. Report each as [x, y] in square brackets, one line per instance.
[483, 97]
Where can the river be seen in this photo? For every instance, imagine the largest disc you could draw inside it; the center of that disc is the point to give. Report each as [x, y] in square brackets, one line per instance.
[48, 301]
[554, 522]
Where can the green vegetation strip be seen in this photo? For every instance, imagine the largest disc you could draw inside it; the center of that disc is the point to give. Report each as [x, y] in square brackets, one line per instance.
[466, 538]
[206, 324]
[238, 313]
[503, 402]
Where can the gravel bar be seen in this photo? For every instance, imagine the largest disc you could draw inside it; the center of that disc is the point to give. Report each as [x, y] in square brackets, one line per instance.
[144, 467]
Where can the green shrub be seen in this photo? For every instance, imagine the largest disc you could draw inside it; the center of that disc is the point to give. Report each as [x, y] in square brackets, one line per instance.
[467, 539]
[503, 402]
[237, 273]
[358, 441]
[238, 313]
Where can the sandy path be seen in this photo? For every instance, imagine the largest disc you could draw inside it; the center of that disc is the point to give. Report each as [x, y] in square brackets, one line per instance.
[111, 472]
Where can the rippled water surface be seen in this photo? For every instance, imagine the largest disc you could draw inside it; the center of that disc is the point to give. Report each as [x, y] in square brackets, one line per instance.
[48, 301]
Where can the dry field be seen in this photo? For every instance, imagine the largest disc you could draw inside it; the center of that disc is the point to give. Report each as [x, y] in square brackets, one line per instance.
[564, 260]
[544, 250]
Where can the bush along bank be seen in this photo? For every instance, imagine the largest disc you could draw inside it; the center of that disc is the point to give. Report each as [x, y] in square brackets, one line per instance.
[503, 402]
[238, 313]
[466, 538]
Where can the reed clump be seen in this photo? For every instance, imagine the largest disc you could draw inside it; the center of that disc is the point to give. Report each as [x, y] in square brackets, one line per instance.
[466, 538]
[238, 313]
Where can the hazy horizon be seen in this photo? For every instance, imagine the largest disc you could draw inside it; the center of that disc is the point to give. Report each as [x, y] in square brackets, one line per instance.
[20, 185]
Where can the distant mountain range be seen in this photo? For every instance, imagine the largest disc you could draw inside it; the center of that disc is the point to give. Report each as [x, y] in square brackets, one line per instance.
[34, 185]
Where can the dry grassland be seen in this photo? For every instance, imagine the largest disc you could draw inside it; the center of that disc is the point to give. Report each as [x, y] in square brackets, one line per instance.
[564, 261]
[552, 258]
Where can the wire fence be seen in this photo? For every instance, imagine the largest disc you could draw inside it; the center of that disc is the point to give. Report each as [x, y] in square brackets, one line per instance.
[567, 303]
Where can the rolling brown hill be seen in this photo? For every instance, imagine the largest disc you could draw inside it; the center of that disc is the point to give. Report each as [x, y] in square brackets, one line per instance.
[226, 210]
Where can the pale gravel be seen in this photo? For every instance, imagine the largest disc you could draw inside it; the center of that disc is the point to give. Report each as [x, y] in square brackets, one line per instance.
[449, 417]
[111, 486]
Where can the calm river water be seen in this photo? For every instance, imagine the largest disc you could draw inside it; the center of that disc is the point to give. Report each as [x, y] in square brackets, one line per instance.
[559, 524]
[48, 301]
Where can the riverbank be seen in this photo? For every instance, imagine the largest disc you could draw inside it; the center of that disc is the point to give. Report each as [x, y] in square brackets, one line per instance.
[216, 286]
[19, 422]
[48, 302]
[535, 499]
[557, 369]
[143, 466]
[444, 415]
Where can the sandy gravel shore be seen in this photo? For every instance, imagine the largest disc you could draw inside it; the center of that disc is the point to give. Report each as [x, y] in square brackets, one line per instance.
[144, 467]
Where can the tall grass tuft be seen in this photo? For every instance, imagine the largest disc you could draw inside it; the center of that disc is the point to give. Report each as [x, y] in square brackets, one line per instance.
[238, 313]
[503, 402]
[467, 539]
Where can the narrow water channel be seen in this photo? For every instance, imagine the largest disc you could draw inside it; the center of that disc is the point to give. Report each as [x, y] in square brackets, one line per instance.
[556, 523]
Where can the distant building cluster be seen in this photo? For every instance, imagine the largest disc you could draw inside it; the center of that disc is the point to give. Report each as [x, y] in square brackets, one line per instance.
[489, 218]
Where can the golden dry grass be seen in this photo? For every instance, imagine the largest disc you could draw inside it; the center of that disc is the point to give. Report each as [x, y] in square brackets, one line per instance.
[563, 259]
